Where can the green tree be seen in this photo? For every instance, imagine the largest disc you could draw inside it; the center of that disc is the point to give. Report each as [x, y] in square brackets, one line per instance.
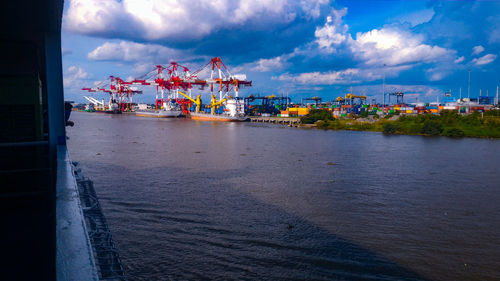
[390, 128]
[454, 132]
[432, 128]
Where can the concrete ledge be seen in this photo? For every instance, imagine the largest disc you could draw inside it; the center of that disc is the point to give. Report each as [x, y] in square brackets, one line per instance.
[74, 258]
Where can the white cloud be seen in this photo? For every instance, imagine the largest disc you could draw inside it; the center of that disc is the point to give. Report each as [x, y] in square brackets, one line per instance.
[342, 77]
[133, 52]
[333, 32]
[392, 46]
[416, 18]
[178, 20]
[94, 16]
[436, 74]
[477, 50]
[486, 59]
[74, 76]
[312, 8]
[321, 78]
[459, 60]
[273, 64]
[389, 46]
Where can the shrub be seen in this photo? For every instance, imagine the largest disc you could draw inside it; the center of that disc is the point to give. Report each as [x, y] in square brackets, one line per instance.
[454, 132]
[389, 115]
[432, 128]
[390, 128]
[316, 115]
[322, 124]
[363, 114]
[449, 117]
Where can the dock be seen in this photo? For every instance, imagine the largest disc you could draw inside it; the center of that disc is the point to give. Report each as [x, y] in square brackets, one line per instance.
[291, 121]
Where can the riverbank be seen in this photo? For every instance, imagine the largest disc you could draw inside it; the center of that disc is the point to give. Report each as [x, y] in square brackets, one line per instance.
[447, 123]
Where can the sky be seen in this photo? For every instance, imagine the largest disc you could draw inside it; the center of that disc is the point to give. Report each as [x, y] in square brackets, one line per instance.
[298, 48]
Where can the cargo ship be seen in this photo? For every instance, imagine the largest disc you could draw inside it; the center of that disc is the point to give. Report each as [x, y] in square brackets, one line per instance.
[113, 108]
[234, 111]
[158, 113]
[200, 116]
[168, 110]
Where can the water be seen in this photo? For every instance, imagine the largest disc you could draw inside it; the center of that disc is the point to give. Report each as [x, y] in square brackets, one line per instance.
[200, 200]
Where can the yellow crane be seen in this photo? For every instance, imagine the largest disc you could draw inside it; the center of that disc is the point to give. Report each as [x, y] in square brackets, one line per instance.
[196, 101]
[350, 97]
[214, 104]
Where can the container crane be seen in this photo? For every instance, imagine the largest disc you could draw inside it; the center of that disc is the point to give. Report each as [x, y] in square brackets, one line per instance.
[169, 80]
[351, 97]
[221, 77]
[399, 97]
[196, 101]
[120, 94]
[317, 100]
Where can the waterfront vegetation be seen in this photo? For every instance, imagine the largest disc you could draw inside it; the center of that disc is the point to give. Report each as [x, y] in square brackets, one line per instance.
[447, 123]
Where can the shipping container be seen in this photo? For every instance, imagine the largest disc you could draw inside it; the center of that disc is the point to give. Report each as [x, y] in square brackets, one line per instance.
[303, 111]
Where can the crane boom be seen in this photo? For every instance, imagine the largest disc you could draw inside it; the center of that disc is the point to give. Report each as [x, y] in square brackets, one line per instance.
[196, 101]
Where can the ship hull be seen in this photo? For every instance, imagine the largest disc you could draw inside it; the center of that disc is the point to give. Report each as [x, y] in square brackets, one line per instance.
[218, 118]
[159, 113]
[113, 112]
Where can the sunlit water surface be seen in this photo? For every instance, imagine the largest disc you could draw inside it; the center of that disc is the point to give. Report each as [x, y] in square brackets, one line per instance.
[200, 200]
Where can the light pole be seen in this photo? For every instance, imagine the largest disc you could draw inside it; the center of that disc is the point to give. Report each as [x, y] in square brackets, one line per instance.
[468, 88]
[383, 86]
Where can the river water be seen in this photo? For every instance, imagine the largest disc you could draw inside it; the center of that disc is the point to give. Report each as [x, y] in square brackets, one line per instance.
[189, 200]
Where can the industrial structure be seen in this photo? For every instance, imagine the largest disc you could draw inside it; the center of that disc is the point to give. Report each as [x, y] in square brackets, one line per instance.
[225, 103]
[262, 105]
[120, 95]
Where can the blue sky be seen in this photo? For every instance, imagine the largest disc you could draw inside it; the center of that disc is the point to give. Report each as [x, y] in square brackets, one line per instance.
[303, 48]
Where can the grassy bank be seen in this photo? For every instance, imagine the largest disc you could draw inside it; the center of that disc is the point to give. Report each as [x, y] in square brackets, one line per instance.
[448, 123]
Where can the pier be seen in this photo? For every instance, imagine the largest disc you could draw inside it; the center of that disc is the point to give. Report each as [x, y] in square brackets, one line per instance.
[291, 121]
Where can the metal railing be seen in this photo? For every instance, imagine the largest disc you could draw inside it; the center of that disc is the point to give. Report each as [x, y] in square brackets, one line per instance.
[106, 256]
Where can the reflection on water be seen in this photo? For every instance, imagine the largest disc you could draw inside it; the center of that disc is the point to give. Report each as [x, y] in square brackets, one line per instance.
[206, 200]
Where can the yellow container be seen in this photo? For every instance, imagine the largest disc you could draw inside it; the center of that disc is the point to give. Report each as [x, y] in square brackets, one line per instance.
[396, 108]
[303, 111]
[441, 107]
[409, 111]
[293, 109]
[434, 111]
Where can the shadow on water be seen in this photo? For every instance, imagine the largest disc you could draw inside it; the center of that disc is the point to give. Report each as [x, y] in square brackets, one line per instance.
[187, 225]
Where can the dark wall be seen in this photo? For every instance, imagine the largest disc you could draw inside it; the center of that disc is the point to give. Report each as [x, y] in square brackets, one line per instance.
[27, 161]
